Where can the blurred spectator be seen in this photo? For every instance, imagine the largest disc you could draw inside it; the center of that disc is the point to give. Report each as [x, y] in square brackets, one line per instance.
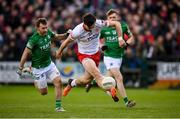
[168, 43]
[159, 51]
[177, 47]
[155, 24]
[131, 65]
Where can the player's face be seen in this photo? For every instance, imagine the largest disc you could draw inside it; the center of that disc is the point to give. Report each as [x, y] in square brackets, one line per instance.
[42, 29]
[113, 17]
[89, 27]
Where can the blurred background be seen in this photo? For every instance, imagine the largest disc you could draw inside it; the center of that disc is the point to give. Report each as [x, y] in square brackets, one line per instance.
[154, 60]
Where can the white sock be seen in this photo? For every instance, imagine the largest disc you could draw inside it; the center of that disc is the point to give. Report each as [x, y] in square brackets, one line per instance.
[73, 83]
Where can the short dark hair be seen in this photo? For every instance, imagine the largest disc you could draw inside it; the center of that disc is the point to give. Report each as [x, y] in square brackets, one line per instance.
[41, 21]
[89, 19]
[112, 11]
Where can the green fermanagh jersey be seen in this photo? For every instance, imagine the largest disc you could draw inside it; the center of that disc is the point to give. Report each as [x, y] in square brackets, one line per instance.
[40, 48]
[111, 40]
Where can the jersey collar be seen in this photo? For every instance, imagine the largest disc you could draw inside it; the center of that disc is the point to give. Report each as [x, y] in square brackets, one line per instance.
[86, 29]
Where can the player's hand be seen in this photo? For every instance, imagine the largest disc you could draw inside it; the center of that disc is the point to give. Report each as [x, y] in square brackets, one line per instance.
[27, 70]
[122, 43]
[19, 71]
[104, 47]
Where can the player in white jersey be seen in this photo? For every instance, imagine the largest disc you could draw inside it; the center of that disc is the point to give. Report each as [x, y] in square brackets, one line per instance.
[87, 36]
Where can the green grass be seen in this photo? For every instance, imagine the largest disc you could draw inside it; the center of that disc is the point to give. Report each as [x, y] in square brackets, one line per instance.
[25, 101]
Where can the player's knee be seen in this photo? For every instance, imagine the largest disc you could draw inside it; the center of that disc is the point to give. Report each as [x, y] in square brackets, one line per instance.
[119, 78]
[57, 83]
[97, 75]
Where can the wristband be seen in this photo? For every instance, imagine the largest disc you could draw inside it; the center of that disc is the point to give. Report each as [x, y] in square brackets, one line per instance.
[127, 44]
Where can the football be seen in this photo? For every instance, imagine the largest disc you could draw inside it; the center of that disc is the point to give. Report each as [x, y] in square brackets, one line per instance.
[108, 82]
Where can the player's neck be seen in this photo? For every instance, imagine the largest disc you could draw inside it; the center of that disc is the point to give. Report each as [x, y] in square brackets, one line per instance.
[40, 33]
[84, 27]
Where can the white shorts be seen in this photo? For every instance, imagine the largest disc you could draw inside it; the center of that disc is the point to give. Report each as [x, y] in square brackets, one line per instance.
[112, 62]
[42, 75]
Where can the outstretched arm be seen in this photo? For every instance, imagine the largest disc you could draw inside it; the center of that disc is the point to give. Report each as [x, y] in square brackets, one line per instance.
[62, 36]
[117, 25]
[130, 41]
[63, 45]
[24, 57]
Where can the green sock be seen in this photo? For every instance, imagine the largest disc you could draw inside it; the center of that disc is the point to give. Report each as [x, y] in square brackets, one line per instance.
[58, 103]
[93, 82]
[126, 100]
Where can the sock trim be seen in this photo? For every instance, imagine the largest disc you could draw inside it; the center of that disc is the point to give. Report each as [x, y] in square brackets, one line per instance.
[58, 103]
[126, 100]
[73, 83]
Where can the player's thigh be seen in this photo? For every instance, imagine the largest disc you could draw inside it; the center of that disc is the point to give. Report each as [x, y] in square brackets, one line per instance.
[90, 66]
[57, 81]
[41, 82]
[53, 73]
[40, 78]
[113, 66]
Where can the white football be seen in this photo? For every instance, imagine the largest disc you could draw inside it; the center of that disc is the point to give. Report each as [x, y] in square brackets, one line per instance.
[108, 82]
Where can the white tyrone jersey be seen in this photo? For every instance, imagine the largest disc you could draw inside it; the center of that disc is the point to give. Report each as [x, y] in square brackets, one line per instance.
[88, 41]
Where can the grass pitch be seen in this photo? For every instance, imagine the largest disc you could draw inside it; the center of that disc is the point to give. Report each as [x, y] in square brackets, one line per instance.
[26, 102]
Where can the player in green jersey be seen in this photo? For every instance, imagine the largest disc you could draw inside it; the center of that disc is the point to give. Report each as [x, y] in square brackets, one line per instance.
[114, 51]
[38, 47]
